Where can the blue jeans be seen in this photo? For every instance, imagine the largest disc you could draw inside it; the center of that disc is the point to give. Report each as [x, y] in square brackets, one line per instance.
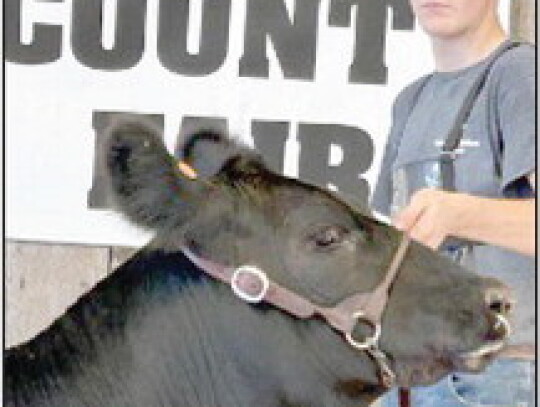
[505, 383]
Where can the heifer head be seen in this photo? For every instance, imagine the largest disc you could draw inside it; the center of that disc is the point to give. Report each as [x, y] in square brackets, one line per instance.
[237, 212]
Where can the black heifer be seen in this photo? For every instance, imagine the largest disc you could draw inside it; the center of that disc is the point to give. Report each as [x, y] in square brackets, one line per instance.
[160, 332]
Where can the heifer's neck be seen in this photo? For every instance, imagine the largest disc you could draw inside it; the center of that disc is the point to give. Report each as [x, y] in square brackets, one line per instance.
[157, 333]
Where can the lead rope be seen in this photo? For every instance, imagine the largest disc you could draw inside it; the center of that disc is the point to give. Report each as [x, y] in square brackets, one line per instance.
[404, 393]
[404, 397]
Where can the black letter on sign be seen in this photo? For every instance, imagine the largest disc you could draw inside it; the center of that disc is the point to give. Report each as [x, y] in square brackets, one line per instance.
[269, 139]
[173, 35]
[87, 30]
[99, 197]
[295, 43]
[357, 148]
[371, 16]
[46, 42]
[403, 16]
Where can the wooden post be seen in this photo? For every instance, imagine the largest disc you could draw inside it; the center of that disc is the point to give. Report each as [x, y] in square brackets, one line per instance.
[522, 20]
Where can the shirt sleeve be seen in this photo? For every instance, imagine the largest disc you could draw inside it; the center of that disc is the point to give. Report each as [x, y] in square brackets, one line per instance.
[516, 106]
[382, 195]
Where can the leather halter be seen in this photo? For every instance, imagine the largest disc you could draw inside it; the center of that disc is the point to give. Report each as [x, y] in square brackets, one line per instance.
[252, 285]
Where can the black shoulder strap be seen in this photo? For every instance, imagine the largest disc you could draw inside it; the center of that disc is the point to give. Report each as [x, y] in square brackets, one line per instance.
[456, 133]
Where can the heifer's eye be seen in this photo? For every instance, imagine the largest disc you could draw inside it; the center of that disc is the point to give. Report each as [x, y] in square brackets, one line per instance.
[327, 237]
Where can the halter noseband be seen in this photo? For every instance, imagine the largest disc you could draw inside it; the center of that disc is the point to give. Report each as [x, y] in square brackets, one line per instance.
[252, 285]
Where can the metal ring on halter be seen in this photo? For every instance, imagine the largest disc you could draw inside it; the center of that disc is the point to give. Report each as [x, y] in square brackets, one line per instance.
[265, 283]
[370, 341]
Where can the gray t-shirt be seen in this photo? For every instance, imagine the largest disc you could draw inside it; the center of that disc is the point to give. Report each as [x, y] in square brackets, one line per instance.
[496, 154]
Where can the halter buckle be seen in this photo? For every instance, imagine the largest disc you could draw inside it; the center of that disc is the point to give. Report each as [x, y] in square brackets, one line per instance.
[371, 341]
[251, 271]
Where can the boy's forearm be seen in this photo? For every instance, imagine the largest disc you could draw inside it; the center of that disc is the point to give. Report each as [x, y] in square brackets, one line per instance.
[434, 215]
[508, 223]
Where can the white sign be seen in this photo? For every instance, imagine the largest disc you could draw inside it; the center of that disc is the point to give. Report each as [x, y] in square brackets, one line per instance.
[71, 60]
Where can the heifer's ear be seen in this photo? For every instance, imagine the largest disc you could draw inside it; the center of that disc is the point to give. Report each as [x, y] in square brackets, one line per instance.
[144, 178]
[210, 152]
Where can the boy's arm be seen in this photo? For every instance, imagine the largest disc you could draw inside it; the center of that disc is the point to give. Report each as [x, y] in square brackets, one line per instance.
[433, 215]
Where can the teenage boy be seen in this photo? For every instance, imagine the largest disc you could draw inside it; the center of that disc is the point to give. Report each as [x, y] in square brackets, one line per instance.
[491, 211]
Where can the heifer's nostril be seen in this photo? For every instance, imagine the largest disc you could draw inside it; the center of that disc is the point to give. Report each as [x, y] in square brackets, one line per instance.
[498, 306]
[499, 302]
